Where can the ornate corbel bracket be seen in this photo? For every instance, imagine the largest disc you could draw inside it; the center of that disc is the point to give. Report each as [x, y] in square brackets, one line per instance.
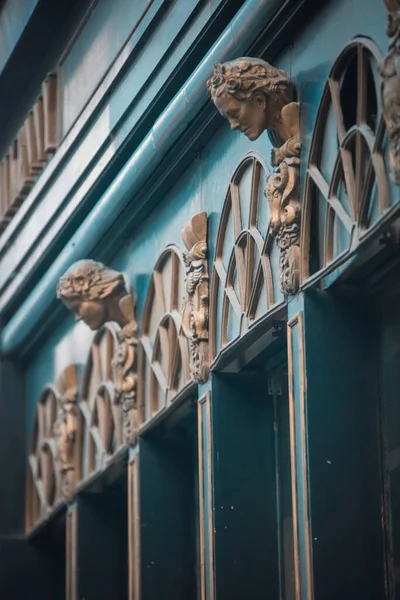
[124, 364]
[390, 87]
[98, 295]
[283, 193]
[66, 430]
[195, 309]
[254, 96]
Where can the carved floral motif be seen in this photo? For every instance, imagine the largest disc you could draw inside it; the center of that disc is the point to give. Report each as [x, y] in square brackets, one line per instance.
[97, 295]
[195, 311]
[390, 87]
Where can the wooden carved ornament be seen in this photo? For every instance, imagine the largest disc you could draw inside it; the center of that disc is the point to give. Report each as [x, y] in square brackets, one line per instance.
[65, 431]
[97, 295]
[195, 310]
[255, 96]
[390, 87]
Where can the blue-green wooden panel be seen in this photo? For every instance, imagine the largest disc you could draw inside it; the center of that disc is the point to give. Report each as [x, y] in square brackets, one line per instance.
[102, 542]
[94, 49]
[244, 488]
[204, 185]
[29, 571]
[169, 556]
[14, 16]
[343, 459]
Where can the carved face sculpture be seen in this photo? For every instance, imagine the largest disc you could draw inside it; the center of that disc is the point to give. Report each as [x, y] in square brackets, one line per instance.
[250, 94]
[246, 116]
[92, 292]
[91, 312]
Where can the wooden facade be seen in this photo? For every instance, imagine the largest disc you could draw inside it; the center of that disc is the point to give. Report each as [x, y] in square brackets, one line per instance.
[221, 419]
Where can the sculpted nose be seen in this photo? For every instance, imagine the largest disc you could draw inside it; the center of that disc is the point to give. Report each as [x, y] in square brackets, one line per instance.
[78, 318]
[234, 125]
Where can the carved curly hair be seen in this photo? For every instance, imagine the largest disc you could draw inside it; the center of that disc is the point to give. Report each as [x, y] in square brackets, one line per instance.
[89, 280]
[243, 77]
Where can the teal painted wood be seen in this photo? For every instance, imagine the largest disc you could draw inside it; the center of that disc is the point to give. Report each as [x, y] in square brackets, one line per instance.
[14, 17]
[102, 542]
[170, 125]
[168, 515]
[97, 139]
[202, 187]
[244, 493]
[103, 35]
[207, 482]
[44, 571]
[343, 467]
[297, 383]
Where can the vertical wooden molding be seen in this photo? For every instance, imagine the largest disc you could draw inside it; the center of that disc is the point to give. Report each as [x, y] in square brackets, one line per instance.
[293, 464]
[130, 531]
[71, 554]
[298, 440]
[38, 119]
[201, 502]
[390, 87]
[206, 499]
[134, 528]
[49, 93]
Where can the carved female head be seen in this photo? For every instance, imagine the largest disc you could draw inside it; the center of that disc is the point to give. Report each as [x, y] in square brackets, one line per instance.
[92, 291]
[250, 93]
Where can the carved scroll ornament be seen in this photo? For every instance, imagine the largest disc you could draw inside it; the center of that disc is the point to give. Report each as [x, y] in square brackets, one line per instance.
[390, 87]
[97, 295]
[282, 191]
[65, 431]
[124, 365]
[195, 311]
[255, 96]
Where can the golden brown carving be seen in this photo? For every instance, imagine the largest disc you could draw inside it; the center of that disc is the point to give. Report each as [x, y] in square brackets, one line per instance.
[195, 311]
[54, 456]
[245, 276]
[97, 295]
[27, 156]
[124, 365]
[345, 196]
[43, 486]
[282, 191]
[65, 431]
[251, 94]
[255, 96]
[390, 87]
[164, 348]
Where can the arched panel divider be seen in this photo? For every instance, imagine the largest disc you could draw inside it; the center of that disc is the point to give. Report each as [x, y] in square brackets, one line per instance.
[245, 275]
[348, 198]
[164, 352]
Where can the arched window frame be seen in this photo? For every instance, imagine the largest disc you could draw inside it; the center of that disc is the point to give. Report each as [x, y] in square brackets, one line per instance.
[101, 434]
[168, 337]
[43, 481]
[359, 184]
[259, 238]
